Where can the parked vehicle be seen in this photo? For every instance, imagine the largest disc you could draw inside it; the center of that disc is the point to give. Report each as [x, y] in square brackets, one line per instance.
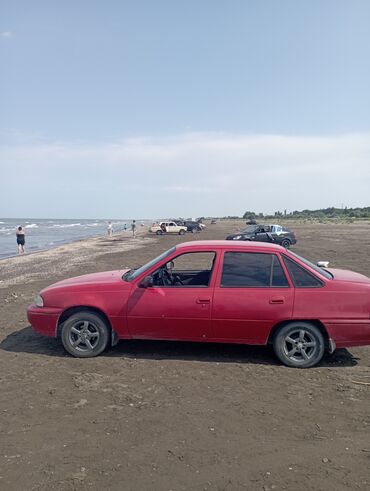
[219, 291]
[266, 233]
[168, 228]
[193, 226]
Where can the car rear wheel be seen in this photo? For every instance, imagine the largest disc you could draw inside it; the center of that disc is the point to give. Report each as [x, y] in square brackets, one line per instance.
[299, 345]
[182, 231]
[286, 243]
[85, 334]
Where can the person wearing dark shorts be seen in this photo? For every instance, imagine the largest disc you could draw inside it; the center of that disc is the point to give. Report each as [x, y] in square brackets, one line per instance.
[21, 239]
[133, 228]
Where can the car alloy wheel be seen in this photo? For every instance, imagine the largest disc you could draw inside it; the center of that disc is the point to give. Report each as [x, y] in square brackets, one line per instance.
[299, 344]
[85, 334]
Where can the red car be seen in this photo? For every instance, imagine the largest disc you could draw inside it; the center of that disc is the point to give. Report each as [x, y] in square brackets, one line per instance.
[218, 291]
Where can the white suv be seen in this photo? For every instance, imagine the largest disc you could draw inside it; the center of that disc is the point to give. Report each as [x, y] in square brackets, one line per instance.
[168, 228]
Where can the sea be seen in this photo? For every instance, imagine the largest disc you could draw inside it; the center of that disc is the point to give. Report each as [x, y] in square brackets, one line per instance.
[43, 234]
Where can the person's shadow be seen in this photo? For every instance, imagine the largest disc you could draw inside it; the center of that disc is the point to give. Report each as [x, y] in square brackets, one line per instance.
[26, 341]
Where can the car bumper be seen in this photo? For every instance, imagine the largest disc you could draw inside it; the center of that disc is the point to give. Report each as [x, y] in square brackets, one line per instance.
[44, 320]
[349, 333]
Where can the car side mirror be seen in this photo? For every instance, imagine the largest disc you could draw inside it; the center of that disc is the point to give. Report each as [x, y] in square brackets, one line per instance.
[146, 282]
[323, 264]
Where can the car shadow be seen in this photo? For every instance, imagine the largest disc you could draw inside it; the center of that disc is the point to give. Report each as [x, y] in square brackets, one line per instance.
[26, 341]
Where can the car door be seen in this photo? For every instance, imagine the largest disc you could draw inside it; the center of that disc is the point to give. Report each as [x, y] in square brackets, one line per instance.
[252, 293]
[261, 235]
[178, 312]
[172, 227]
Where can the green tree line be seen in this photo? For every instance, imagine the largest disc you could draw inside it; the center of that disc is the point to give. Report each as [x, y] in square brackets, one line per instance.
[322, 213]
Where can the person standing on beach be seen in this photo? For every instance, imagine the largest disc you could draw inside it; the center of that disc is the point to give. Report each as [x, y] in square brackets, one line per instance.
[133, 228]
[21, 239]
[110, 229]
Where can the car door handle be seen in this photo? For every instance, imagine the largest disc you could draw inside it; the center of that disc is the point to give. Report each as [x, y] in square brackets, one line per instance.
[203, 300]
[277, 300]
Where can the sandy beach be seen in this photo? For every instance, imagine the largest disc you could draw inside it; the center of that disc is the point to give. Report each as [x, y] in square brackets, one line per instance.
[176, 416]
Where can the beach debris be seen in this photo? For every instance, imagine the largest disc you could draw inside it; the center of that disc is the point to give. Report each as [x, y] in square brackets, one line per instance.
[359, 382]
[12, 296]
[80, 403]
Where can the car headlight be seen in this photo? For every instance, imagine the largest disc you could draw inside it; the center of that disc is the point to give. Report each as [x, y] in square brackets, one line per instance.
[39, 301]
[237, 237]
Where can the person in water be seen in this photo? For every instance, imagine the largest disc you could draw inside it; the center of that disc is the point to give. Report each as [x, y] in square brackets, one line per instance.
[21, 239]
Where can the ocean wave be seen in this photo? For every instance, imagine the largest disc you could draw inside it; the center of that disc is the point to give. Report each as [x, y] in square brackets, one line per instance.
[32, 225]
[66, 225]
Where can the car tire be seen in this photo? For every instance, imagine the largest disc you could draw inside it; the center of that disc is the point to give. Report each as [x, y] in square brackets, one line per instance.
[299, 345]
[85, 334]
[286, 243]
[159, 232]
[181, 232]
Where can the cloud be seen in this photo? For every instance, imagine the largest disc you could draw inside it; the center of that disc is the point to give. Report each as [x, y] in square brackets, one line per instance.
[193, 173]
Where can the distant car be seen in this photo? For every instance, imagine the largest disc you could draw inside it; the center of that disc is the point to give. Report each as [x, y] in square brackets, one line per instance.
[217, 291]
[193, 226]
[168, 228]
[266, 233]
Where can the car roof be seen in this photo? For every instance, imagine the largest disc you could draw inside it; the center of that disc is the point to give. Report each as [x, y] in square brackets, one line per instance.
[228, 244]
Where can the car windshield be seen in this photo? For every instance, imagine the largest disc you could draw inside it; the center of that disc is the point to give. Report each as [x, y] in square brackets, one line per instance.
[134, 273]
[322, 271]
[250, 229]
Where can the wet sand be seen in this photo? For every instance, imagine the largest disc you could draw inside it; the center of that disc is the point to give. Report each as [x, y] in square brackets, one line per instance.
[180, 416]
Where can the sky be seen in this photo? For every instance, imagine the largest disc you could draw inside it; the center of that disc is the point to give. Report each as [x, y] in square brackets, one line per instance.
[167, 108]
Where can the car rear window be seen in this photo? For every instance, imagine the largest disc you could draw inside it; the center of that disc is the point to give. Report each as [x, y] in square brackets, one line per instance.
[252, 269]
[313, 266]
[301, 278]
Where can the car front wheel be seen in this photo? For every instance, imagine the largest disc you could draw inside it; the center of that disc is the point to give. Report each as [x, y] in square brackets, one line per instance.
[85, 334]
[299, 345]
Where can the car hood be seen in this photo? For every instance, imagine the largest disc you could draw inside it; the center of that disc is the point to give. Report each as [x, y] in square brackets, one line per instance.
[345, 275]
[104, 277]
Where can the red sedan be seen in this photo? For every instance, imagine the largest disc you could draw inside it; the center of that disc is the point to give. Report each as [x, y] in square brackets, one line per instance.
[216, 291]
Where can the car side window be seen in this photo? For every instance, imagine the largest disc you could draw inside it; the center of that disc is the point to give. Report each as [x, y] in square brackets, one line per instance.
[251, 270]
[301, 278]
[192, 269]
